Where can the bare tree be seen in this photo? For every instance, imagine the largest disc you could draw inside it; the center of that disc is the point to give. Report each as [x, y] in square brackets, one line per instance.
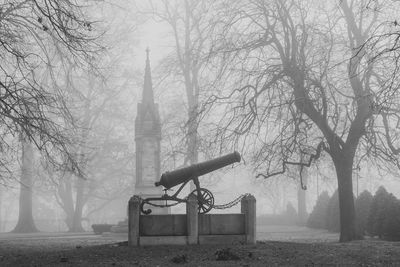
[34, 35]
[188, 22]
[304, 83]
[25, 222]
[102, 110]
[275, 191]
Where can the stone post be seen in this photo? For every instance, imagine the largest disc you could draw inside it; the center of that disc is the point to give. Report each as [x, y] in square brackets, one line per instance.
[133, 220]
[248, 207]
[192, 220]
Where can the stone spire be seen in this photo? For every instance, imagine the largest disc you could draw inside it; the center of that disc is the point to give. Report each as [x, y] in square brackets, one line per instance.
[147, 96]
[148, 119]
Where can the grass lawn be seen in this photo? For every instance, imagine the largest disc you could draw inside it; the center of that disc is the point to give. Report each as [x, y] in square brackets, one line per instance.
[277, 246]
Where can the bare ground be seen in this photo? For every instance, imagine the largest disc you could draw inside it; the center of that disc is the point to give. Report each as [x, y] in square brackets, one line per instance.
[277, 246]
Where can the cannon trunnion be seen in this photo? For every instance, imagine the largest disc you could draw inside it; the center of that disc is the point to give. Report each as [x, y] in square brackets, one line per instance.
[183, 176]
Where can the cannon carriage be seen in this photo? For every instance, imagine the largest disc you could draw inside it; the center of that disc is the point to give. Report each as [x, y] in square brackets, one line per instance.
[205, 198]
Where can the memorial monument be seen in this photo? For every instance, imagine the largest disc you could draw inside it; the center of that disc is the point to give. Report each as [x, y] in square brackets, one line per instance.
[147, 139]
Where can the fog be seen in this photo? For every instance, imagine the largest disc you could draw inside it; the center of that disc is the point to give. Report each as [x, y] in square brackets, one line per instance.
[217, 83]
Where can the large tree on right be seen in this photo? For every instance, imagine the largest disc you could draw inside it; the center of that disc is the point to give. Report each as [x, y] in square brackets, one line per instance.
[301, 79]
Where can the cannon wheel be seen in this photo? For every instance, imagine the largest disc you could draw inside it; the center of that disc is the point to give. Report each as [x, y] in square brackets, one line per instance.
[205, 201]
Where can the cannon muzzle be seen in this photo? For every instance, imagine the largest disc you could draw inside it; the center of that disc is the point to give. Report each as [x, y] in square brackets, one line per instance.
[179, 176]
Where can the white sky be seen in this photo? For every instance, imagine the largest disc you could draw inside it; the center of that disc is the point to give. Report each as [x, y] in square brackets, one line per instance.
[155, 36]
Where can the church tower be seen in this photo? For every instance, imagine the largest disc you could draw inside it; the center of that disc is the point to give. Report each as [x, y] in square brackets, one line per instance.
[147, 138]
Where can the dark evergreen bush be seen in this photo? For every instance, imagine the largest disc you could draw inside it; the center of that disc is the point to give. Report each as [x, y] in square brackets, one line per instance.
[391, 220]
[377, 212]
[362, 207]
[317, 218]
[333, 214]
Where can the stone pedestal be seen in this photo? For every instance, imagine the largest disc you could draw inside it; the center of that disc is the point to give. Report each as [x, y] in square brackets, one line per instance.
[192, 220]
[248, 208]
[192, 228]
[133, 221]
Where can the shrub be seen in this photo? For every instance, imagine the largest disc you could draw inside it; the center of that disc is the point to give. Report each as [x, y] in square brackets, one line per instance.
[333, 214]
[362, 207]
[317, 218]
[391, 220]
[377, 212]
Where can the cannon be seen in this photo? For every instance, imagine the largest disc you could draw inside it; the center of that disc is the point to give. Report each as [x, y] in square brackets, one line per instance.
[184, 175]
[173, 178]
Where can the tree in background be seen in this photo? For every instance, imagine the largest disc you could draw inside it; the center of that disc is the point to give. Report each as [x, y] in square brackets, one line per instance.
[35, 34]
[275, 191]
[57, 70]
[291, 213]
[185, 68]
[103, 108]
[301, 81]
[362, 206]
[32, 35]
[25, 222]
[333, 213]
[317, 218]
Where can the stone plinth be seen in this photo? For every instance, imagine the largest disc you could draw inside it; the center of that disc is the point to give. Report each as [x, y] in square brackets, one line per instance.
[133, 221]
[193, 228]
[192, 220]
[248, 208]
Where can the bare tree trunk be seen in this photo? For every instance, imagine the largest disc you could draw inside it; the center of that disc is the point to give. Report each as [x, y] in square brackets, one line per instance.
[343, 167]
[77, 216]
[188, 54]
[26, 223]
[192, 145]
[72, 209]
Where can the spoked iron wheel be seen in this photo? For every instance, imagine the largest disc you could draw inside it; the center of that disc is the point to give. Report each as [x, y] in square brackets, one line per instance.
[205, 201]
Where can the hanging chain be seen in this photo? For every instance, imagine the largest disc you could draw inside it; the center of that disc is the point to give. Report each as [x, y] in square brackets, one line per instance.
[230, 204]
[161, 205]
[220, 207]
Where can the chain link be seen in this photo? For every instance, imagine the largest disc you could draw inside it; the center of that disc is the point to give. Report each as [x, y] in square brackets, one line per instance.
[230, 204]
[161, 205]
[221, 206]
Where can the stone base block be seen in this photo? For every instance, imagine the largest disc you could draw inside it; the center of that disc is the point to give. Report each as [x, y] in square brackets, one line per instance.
[192, 228]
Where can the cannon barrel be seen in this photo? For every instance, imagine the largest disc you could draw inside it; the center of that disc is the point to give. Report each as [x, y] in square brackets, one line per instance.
[179, 176]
